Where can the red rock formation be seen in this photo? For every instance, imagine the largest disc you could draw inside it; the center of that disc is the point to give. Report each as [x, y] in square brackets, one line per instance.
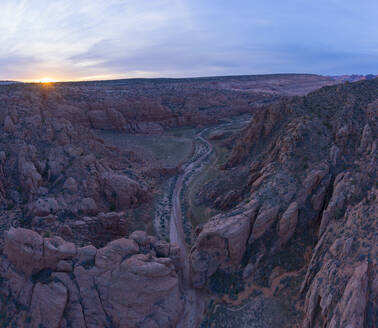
[299, 228]
[311, 240]
[59, 285]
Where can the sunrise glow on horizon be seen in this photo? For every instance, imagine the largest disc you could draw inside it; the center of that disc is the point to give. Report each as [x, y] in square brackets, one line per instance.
[76, 40]
[47, 80]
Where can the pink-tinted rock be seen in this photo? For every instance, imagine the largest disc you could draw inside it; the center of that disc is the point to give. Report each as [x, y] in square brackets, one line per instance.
[311, 182]
[43, 207]
[162, 248]
[24, 249]
[122, 191]
[140, 237]
[91, 303]
[266, 217]
[9, 125]
[48, 304]
[117, 119]
[29, 176]
[99, 119]
[30, 253]
[56, 249]
[115, 252]
[141, 289]
[64, 266]
[288, 223]
[86, 254]
[334, 208]
[73, 311]
[221, 243]
[352, 305]
[70, 185]
[366, 139]
[88, 206]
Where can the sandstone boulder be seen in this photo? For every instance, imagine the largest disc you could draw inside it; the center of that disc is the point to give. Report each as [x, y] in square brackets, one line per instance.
[48, 304]
[143, 292]
[88, 206]
[221, 243]
[121, 191]
[30, 253]
[266, 217]
[70, 185]
[43, 207]
[24, 249]
[115, 252]
[115, 286]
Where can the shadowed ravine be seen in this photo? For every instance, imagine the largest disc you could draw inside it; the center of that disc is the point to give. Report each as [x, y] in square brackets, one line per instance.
[195, 303]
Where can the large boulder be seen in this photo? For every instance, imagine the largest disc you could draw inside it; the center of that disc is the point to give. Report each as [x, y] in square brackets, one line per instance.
[221, 244]
[24, 248]
[122, 192]
[88, 206]
[267, 215]
[43, 207]
[30, 253]
[141, 291]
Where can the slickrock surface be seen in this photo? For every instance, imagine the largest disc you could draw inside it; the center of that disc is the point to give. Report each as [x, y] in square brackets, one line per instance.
[48, 282]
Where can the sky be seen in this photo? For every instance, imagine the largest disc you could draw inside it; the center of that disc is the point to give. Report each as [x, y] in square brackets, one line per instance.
[109, 39]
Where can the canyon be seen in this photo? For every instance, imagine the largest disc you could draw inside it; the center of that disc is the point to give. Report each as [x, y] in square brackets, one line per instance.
[245, 201]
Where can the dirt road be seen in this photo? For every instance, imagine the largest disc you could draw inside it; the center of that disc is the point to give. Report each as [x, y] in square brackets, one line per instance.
[195, 300]
[194, 304]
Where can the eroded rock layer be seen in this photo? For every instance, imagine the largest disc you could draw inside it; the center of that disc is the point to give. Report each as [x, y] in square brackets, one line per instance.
[48, 282]
[293, 243]
[305, 234]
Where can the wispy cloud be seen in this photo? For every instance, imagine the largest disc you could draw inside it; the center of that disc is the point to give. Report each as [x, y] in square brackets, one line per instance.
[84, 39]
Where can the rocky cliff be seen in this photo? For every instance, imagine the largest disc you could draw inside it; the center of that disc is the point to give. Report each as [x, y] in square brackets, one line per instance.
[293, 244]
[305, 234]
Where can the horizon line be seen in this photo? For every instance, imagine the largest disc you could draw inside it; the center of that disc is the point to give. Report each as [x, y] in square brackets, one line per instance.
[174, 78]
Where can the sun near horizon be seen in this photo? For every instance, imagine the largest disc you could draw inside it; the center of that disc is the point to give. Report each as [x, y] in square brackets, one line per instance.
[47, 80]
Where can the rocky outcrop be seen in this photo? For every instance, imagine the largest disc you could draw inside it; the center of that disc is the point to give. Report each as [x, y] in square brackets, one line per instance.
[43, 207]
[30, 253]
[57, 172]
[102, 228]
[100, 120]
[311, 243]
[266, 217]
[288, 222]
[124, 284]
[47, 305]
[221, 244]
[122, 192]
[294, 199]
[30, 178]
[9, 125]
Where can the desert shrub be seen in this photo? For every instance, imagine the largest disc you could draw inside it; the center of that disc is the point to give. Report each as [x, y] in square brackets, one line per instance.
[230, 283]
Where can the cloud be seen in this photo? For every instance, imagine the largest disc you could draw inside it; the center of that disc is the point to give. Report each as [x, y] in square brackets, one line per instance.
[81, 39]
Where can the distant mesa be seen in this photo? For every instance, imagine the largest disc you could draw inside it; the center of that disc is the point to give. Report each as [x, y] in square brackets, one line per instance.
[9, 82]
[353, 77]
